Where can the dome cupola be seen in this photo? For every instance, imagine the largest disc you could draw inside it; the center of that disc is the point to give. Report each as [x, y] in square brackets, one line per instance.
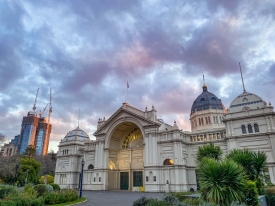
[246, 101]
[77, 134]
[206, 100]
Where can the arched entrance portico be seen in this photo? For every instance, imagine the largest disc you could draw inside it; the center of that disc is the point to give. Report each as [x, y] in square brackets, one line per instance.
[125, 163]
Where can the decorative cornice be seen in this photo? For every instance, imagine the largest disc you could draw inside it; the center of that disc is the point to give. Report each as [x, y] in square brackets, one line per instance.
[249, 116]
[117, 113]
[189, 143]
[251, 135]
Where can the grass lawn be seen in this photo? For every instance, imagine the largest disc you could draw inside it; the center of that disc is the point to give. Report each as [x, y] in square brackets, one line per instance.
[71, 203]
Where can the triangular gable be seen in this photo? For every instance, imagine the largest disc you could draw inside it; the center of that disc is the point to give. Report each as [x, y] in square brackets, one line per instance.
[119, 112]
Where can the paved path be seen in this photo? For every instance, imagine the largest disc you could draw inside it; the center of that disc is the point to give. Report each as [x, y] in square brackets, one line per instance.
[115, 198]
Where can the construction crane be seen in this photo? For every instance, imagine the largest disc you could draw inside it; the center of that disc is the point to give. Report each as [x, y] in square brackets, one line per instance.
[46, 140]
[41, 112]
[34, 105]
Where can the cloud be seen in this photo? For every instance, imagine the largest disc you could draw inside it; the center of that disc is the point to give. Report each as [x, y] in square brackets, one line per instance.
[87, 51]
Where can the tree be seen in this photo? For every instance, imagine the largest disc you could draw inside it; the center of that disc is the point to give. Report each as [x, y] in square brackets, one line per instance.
[50, 179]
[7, 169]
[48, 164]
[28, 170]
[209, 151]
[30, 151]
[2, 139]
[253, 164]
[221, 182]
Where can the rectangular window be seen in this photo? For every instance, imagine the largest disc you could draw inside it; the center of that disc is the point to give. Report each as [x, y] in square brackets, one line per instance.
[214, 137]
[210, 136]
[99, 179]
[94, 179]
[206, 121]
[63, 179]
[218, 135]
[201, 120]
[191, 139]
[155, 178]
[147, 178]
[209, 120]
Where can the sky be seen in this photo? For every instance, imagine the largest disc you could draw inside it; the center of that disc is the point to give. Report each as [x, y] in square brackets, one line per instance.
[86, 51]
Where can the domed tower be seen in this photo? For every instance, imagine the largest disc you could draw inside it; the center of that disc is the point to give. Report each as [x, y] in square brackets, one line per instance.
[69, 156]
[207, 111]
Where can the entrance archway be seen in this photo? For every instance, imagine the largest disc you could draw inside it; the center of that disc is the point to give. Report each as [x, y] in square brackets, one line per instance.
[125, 164]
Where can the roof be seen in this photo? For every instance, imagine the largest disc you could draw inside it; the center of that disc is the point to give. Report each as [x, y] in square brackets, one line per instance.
[246, 100]
[77, 134]
[206, 100]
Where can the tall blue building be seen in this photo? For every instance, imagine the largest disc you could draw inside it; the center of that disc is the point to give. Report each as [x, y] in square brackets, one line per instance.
[28, 131]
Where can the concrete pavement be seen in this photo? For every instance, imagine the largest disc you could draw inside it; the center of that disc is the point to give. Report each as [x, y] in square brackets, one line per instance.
[115, 198]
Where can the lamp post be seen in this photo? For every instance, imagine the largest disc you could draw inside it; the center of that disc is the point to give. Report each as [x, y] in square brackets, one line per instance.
[26, 180]
[16, 168]
[81, 179]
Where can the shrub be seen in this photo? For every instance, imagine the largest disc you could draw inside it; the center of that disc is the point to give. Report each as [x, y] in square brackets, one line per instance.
[56, 187]
[7, 203]
[251, 193]
[181, 195]
[50, 198]
[50, 179]
[41, 189]
[172, 200]
[142, 201]
[155, 202]
[30, 191]
[270, 196]
[5, 190]
[61, 196]
[49, 188]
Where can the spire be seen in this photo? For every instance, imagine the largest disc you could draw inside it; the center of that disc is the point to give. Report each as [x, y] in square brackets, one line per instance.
[204, 87]
[78, 117]
[242, 77]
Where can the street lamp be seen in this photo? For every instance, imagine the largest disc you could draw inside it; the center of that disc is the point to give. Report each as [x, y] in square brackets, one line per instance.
[26, 180]
[81, 179]
[16, 168]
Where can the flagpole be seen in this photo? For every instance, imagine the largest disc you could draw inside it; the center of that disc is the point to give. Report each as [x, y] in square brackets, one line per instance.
[127, 92]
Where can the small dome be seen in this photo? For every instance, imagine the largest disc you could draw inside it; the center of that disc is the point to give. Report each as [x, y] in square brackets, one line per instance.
[206, 100]
[77, 134]
[246, 101]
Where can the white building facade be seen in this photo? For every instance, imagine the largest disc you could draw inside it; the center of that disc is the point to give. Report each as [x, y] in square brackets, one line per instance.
[134, 148]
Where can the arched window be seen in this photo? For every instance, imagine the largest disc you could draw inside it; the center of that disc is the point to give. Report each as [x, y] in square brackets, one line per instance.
[168, 162]
[202, 99]
[243, 129]
[256, 128]
[250, 128]
[90, 167]
[213, 98]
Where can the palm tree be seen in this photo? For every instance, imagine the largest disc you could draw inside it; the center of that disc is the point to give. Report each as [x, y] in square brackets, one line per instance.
[253, 164]
[209, 151]
[221, 182]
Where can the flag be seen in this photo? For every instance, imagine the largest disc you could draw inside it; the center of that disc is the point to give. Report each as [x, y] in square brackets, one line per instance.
[127, 84]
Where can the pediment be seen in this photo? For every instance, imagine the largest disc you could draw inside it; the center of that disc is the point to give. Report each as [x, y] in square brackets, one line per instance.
[124, 113]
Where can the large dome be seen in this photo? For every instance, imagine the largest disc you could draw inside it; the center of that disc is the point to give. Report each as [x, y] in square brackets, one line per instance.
[206, 100]
[246, 101]
[77, 134]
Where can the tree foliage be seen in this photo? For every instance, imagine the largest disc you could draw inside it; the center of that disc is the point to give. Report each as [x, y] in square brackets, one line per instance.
[7, 169]
[253, 164]
[209, 151]
[48, 163]
[30, 151]
[28, 170]
[221, 182]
